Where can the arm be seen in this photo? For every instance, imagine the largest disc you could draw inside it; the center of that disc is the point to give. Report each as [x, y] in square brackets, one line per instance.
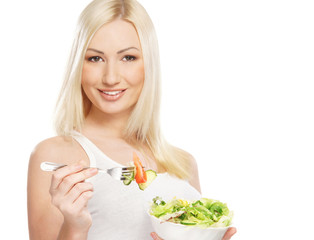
[44, 219]
[48, 193]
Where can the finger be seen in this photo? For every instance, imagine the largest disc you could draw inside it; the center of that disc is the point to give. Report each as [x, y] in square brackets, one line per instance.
[230, 232]
[82, 200]
[61, 173]
[69, 181]
[78, 189]
[155, 236]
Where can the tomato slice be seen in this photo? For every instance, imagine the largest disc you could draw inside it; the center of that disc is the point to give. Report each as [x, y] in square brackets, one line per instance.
[140, 176]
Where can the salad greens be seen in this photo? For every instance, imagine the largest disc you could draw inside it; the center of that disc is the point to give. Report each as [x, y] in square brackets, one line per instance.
[203, 213]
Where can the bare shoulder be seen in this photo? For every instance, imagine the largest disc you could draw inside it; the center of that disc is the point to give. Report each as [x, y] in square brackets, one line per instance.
[57, 149]
[192, 162]
[194, 176]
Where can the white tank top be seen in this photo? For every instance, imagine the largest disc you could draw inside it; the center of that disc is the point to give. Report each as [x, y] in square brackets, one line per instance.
[119, 211]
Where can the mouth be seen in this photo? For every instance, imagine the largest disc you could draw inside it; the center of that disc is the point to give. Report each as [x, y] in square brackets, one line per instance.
[112, 94]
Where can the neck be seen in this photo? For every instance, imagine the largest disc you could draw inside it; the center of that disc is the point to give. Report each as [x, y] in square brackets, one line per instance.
[98, 123]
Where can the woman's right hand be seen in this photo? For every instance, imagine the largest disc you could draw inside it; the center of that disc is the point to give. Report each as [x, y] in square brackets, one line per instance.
[70, 194]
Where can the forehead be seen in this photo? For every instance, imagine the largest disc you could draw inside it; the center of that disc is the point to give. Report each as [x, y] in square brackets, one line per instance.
[115, 36]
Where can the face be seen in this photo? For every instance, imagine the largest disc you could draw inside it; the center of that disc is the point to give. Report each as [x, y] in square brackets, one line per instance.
[113, 70]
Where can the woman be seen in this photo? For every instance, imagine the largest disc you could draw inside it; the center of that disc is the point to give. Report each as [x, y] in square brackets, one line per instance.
[108, 108]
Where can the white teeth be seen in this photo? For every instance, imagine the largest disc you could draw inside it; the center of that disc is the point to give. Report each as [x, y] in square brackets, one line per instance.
[112, 93]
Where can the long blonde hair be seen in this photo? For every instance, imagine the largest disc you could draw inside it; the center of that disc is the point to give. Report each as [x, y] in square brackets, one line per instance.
[143, 125]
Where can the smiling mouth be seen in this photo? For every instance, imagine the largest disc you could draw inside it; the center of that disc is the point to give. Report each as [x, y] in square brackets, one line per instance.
[112, 93]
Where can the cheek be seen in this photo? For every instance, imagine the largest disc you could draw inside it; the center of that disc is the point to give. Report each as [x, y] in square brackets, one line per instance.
[88, 80]
[89, 75]
[138, 75]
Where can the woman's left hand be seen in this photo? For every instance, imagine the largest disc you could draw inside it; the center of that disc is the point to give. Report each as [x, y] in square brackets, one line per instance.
[230, 232]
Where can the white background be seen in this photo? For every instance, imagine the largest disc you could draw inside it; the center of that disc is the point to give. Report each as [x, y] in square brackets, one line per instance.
[237, 94]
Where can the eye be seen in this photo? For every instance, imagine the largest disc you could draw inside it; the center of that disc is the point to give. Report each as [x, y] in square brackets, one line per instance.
[95, 59]
[128, 58]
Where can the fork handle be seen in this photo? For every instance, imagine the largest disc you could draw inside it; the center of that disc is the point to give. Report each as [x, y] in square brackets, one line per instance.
[50, 166]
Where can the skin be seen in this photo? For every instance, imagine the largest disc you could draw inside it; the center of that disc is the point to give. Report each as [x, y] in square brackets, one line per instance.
[57, 201]
[113, 61]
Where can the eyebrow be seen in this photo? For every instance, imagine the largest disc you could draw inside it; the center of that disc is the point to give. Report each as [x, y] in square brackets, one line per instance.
[126, 49]
[120, 51]
[94, 50]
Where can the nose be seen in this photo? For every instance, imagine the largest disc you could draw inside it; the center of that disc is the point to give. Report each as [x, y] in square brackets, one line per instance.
[111, 74]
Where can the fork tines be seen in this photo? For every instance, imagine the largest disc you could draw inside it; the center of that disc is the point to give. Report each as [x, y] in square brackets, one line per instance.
[126, 172]
[128, 168]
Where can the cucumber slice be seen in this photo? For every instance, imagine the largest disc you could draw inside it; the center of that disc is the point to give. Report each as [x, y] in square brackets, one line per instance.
[129, 178]
[151, 175]
[187, 222]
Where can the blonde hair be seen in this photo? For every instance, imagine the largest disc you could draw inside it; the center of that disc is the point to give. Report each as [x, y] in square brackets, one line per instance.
[143, 127]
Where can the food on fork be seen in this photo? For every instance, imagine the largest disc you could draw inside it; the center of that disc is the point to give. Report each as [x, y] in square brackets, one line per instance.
[143, 178]
[140, 176]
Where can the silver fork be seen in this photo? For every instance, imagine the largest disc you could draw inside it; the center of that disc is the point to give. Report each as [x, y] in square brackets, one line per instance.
[119, 173]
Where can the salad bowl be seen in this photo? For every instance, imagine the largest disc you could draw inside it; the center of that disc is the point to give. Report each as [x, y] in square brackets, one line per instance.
[179, 219]
[173, 231]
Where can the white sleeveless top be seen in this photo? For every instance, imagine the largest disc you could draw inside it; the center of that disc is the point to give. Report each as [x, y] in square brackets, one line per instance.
[119, 211]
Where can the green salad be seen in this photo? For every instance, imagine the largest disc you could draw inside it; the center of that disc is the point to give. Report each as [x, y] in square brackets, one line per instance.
[202, 213]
